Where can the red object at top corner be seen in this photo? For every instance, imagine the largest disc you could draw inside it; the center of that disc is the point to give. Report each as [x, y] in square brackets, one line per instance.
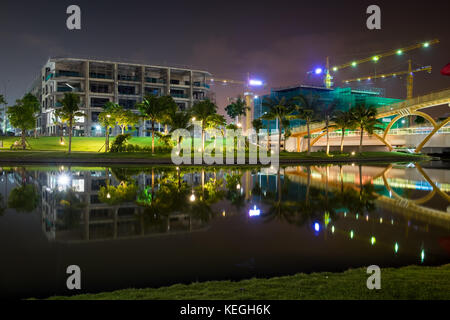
[446, 70]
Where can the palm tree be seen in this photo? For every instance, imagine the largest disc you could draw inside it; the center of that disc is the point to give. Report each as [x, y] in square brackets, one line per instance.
[168, 108]
[237, 109]
[279, 109]
[150, 109]
[306, 109]
[325, 113]
[70, 110]
[59, 120]
[343, 120]
[257, 124]
[365, 119]
[180, 120]
[203, 111]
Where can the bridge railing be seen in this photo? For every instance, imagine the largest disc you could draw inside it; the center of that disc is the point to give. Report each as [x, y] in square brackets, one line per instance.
[441, 94]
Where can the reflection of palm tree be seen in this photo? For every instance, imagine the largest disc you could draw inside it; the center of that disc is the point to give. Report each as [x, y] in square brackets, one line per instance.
[234, 195]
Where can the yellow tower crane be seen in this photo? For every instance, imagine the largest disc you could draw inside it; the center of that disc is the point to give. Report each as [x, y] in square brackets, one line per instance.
[409, 79]
[374, 58]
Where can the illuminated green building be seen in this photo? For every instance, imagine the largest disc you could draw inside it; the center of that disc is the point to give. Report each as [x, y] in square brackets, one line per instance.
[344, 98]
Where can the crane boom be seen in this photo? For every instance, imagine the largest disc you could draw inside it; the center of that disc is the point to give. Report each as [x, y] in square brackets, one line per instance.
[387, 75]
[389, 53]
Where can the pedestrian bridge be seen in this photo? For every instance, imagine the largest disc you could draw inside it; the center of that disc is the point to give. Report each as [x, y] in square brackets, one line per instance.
[406, 138]
[398, 110]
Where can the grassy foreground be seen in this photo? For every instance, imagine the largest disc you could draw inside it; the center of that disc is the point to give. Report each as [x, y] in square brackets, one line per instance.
[412, 282]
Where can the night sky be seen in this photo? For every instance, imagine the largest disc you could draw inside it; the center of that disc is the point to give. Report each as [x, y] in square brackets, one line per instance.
[277, 41]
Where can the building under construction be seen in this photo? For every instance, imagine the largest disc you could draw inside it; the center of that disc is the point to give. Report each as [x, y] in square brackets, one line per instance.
[98, 82]
[342, 98]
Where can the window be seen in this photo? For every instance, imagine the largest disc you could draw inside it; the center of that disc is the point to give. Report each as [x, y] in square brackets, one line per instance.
[127, 90]
[127, 103]
[100, 88]
[99, 102]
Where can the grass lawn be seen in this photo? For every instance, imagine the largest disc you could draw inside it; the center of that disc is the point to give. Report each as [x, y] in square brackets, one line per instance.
[84, 144]
[86, 148]
[412, 282]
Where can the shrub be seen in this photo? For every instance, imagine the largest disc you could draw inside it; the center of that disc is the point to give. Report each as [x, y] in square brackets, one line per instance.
[120, 143]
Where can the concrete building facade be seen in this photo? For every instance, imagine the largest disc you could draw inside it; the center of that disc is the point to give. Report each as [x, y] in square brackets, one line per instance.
[98, 82]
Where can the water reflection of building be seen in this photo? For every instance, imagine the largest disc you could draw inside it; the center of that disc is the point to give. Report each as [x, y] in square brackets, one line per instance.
[96, 220]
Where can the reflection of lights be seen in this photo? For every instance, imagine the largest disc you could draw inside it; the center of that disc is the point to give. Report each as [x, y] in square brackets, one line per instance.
[357, 216]
[192, 198]
[317, 227]
[396, 247]
[353, 153]
[367, 217]
[224, 213]
[392, 221]
[381, 220]
[332, 229]
[422, 255]
[63, 180]
[373, 240]
[108, 196]
[255, 212]
[345, 214]
[351, 234]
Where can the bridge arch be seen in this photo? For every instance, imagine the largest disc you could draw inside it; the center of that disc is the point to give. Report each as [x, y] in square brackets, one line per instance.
[402, 115]
[431, 134]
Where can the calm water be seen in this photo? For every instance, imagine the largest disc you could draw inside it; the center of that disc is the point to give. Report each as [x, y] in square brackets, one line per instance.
[148, 227]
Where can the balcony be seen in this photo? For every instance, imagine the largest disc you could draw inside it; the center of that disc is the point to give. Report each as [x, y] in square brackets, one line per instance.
[64, 73]
[100, 75]
[179, 95]
[155, 80]
[202, 85]
[122, 77]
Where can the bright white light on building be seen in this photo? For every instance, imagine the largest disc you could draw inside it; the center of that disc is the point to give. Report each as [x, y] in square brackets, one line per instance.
[254, 82]
[255, 212]
[63, 180]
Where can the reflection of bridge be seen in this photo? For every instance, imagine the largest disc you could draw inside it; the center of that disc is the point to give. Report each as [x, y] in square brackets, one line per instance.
[349, 177]
[398, 110]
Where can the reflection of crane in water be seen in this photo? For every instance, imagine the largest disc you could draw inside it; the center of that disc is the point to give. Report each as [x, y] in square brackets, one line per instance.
[412, 208]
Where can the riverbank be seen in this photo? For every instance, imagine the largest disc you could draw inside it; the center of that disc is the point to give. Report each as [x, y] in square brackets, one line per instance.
[412, 282]
[146, 158]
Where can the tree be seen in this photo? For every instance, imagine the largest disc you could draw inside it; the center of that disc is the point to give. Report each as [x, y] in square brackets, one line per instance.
[237, 109]
[180, 120]
[203, 111]
[151, 110]
[279, 109]
[343, 120]
[124, 118]
[306, 109]
[325, 113]
[3, 101]
[168, 108]
[216, 121]
[365, 119]
[107, 120]
[22, 115]
[257, 125]
[59, 120]
[71, 109]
